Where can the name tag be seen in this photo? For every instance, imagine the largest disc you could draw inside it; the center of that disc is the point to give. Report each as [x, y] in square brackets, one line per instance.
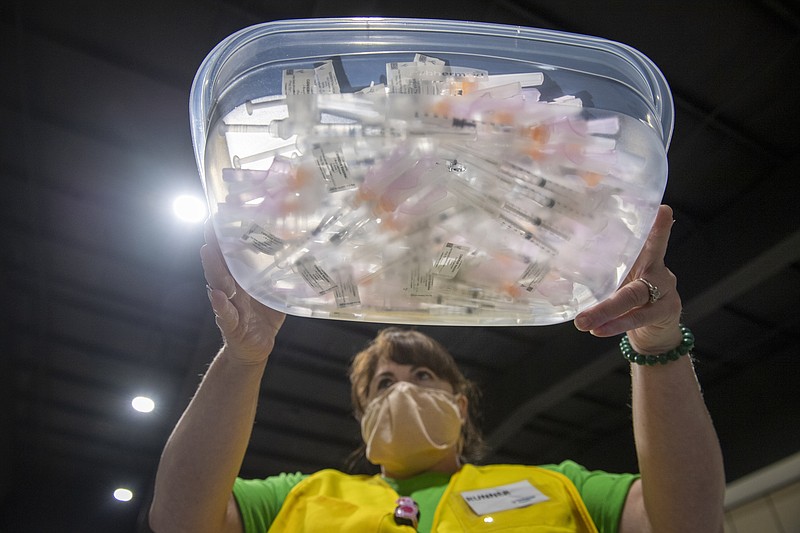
[503, 498]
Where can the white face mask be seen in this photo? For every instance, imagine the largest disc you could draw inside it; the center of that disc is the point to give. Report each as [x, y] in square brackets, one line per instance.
[408, 429]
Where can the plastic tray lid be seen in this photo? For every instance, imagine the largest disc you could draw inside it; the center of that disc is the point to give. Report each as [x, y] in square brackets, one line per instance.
[234, 71]
[521, 208]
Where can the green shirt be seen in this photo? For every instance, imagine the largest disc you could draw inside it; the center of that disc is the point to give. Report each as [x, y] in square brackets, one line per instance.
[603, 494]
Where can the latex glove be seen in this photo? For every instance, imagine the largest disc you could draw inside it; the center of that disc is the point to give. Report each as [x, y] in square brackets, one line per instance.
[248, 327]
[652, 327]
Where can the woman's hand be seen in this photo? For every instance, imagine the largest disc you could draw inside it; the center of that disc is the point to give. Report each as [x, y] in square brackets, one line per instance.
[653, 327]
[248, 326]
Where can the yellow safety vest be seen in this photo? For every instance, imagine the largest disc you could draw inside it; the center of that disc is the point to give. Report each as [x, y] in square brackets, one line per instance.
[333, 501]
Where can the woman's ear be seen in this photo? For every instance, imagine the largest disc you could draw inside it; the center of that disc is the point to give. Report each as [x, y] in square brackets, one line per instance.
[463, 406]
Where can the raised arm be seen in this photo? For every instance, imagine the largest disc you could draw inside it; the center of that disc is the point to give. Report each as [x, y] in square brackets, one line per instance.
[683, 482]
[205, 451]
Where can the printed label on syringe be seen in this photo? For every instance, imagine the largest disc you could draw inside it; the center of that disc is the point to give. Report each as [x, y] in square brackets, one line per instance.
[403, 77]
[327, 83]
[319, 80]
[396, 82]
[262, 240]
[420, 281]
[533, 276]
[429, 78]
[450, 260]
[346, 290]
[312, 273]
[298, 81]
[422, 58]
[333, 167]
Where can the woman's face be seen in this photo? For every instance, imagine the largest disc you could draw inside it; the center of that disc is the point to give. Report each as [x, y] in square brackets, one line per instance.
[389, 373]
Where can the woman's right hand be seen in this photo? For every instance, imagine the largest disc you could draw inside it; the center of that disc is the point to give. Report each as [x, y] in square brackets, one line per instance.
[248, 327]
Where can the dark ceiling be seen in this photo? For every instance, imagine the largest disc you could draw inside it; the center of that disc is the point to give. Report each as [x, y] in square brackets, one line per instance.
[104, 299]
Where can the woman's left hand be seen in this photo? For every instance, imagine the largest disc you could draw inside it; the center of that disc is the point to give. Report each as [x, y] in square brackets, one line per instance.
[652, 326]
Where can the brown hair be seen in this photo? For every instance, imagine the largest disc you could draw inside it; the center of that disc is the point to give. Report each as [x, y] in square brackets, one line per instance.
[410, 347]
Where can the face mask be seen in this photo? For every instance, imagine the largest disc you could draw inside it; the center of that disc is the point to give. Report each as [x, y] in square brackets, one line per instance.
[408, 429]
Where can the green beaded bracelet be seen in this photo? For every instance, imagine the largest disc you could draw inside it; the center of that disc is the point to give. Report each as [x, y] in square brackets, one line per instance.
[686, 346]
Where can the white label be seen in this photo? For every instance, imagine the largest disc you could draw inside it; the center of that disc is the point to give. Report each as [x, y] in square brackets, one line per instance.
[319, 80]
[346, 291]
[326, 80]
[407, 77]
[450, 260]
[429, 75]
[299, 81]
[395, 81]
[503, 498]
[532, 276]
[262, 240]
[420, 281]
[312, 273]
[422, 58]
[333, 168]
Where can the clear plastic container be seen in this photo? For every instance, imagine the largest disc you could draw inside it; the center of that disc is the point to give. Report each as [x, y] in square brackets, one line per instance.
[429, 172]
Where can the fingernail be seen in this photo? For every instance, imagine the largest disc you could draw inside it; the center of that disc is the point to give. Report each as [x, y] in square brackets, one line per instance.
[582, 323]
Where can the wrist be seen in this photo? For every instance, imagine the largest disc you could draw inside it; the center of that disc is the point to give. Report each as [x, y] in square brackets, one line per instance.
[243, 358]
[655, 340]
[682, 347]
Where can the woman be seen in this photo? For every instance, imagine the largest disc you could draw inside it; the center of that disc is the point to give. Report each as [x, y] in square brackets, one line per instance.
[681, 486]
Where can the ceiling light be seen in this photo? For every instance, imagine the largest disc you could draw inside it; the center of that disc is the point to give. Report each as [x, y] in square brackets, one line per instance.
[143, 404]
[189, 208]
[123, 495]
